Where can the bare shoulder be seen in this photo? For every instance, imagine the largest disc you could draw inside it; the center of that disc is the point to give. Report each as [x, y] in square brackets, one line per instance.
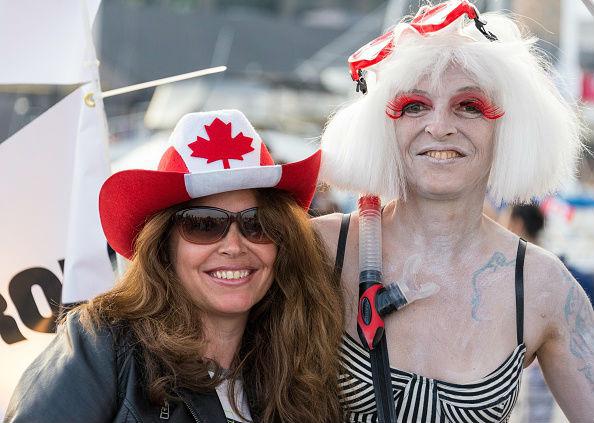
[545, 272]
[550, 289]
[328, 227]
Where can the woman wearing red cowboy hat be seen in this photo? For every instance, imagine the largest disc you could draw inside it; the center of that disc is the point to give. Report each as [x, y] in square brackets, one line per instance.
[228, 311]
[456, 109]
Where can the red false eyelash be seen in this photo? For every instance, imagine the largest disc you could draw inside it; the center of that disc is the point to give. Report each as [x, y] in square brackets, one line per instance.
[487, 109]
[394, 109]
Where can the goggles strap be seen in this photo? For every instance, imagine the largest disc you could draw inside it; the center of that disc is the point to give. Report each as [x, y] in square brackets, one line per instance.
[361, 83]
[480, 25]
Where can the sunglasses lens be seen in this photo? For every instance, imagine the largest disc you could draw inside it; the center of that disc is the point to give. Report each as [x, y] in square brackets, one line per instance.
[252, 229]
[202, 226]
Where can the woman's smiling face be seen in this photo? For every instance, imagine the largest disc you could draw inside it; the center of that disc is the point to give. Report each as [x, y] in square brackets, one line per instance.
[445, 135]
[227, 277]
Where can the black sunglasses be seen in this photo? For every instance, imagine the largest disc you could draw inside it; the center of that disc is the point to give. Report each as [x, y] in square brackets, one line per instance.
[207, 225]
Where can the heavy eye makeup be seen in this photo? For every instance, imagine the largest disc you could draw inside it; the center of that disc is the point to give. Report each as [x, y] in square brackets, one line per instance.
[473, 105]
[407, 104]
[469, 104]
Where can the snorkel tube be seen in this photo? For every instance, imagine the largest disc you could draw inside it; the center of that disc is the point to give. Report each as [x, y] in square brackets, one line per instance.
[370, 323]
[375, 302]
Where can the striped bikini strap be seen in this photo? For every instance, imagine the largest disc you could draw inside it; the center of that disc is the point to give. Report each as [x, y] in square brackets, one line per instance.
[520, 290]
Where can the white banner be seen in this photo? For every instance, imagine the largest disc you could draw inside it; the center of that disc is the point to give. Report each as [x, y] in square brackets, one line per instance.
[47, 42]
[37, 166]
[52, 248]
[51, 173]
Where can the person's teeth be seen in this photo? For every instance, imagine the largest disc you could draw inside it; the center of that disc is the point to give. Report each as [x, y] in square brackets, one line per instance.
[230, 274]
[442, 155]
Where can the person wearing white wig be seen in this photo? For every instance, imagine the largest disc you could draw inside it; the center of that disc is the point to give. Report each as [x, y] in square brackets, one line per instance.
[456, 108]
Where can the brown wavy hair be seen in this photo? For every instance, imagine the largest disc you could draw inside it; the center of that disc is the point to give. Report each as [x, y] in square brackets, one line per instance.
[288, 358]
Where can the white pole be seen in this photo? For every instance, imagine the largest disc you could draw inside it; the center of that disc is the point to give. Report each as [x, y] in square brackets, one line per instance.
[162, 81]
[569, 46]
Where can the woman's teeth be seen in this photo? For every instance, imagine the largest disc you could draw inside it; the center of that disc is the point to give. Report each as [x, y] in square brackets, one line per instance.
[230, 274]
[446, 154]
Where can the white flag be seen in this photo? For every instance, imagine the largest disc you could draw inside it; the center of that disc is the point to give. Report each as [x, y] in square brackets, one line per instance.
[52, 248]
[38, 164]
[88, 271]
[46, 42]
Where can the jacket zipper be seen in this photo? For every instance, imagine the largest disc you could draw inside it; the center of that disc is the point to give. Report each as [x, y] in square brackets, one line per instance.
[196, 419]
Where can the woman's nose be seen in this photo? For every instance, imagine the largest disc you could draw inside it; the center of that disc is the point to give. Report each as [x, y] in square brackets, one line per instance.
[233, 243]
[441, 125]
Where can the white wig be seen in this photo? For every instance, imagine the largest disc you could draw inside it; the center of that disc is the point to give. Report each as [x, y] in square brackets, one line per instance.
[537, 141]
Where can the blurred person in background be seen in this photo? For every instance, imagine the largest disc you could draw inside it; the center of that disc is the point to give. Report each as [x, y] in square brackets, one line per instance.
[229, 310]
[455, 109]
[526, 221]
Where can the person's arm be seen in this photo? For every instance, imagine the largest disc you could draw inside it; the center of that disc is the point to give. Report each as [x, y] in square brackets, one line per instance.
[566, 355]
[73, 380]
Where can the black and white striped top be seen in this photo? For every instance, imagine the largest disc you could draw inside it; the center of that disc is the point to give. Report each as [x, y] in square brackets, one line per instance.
[419, 399]
[422, 399]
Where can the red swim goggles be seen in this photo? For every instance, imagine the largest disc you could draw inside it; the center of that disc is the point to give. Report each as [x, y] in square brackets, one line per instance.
[427, 20]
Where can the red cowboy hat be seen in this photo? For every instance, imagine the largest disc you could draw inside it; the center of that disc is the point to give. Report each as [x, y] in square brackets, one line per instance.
[210, 153]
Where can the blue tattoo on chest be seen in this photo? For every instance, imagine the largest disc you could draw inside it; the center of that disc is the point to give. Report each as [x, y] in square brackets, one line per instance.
[497, 262]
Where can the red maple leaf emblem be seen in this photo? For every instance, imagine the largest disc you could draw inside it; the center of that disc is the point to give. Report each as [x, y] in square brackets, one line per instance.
[221, 145]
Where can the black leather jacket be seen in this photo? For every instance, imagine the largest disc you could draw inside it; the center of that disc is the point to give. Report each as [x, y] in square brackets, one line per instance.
[89, 377]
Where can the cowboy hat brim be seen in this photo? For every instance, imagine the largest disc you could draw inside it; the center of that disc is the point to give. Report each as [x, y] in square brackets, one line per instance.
[128, 198]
